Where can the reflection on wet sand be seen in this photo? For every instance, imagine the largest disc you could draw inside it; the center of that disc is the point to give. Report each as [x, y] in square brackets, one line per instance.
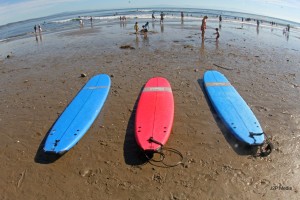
[217, 44]
[162, 28]
[123, 24]
[202, 49]
[137, 40]
[146, 41]
[38, 37]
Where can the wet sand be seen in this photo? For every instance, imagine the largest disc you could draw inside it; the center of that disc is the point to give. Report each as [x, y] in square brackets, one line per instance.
[42, 76]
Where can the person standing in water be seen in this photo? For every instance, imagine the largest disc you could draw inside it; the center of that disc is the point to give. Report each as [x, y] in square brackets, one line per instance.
[34, 28]
[153, 17]
[80, 22]
[40, 28]
[161, 17]
[203, 25]
[136, 28]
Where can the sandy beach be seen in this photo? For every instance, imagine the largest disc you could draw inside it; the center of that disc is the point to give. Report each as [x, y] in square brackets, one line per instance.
[42, 75]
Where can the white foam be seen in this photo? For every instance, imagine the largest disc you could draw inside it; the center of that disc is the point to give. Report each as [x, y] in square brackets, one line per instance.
[62, 21]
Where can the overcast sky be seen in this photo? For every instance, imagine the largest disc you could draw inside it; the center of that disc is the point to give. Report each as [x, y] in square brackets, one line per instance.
[17, 10]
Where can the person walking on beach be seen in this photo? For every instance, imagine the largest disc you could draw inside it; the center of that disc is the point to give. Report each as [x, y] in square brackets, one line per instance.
[182, 15]
[220, 18]
[136, 28]
[34, 28]
[153, 17]
[161, 17]
[203, 25]
[217, 33]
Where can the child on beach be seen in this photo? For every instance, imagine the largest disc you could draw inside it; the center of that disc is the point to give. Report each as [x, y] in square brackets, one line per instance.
[203, 25]
[136, 27]
[217, 33]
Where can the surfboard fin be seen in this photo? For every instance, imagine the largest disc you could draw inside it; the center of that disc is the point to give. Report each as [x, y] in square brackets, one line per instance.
[155, 141]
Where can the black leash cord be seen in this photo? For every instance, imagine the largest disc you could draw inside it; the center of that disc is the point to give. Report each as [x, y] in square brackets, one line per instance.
[162, 155]
[266, 148]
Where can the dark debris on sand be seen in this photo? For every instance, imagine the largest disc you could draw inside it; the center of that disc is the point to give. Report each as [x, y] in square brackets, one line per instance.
[126, 47]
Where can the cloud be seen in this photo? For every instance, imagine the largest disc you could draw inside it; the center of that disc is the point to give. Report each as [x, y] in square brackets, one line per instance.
[282, 3]
[26, 9]
[30, 6]
[34, 3]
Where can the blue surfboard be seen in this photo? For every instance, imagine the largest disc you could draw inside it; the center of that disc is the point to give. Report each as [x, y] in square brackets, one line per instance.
[79, 115]
[232, 109]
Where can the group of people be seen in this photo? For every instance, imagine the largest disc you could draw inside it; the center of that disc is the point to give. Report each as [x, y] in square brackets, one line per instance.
[203, 25]
[122, 18]
[81, 23]
[162, 15]
[37, 28]
[144, 28]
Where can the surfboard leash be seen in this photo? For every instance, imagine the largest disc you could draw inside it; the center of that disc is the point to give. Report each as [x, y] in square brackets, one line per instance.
[162, 155]
[265, 148]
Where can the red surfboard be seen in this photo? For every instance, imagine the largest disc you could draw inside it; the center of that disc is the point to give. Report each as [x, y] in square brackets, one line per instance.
[154, 114]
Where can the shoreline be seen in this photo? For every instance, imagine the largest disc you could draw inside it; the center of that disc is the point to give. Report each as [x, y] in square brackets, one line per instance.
[62, 21]
[241, 28]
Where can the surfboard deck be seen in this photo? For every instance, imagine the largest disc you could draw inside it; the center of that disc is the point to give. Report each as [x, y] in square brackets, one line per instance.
[154, 114]
[78, 116]
[232, 109]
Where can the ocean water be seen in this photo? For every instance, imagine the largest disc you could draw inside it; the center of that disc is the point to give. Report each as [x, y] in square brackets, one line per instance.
[66, 21]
